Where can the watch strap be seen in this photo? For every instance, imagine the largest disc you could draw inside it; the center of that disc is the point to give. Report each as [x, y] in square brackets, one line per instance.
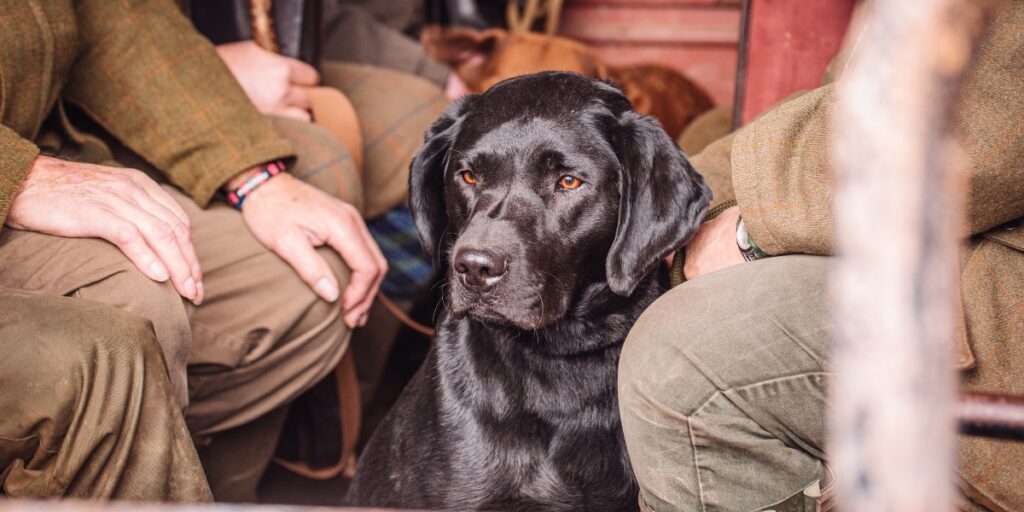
[746, 244]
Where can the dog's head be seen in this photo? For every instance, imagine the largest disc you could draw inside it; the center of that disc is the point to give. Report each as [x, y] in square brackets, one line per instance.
[543, 185]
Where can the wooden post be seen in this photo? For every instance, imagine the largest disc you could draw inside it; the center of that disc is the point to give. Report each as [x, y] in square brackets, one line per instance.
[899, 220]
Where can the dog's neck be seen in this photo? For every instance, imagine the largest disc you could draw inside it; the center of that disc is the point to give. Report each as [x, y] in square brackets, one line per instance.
[599, 319]
[582, 347]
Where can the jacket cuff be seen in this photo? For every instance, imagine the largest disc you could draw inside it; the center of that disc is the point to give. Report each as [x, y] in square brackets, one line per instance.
[206, 184]
[16, 157]
[749, 182]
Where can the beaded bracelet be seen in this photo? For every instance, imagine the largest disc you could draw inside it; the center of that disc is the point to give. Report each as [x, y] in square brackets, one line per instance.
[237, 197]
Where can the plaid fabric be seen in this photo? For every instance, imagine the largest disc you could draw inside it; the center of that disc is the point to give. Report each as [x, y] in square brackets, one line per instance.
[410, 272]
[321, 161]
[394, 110]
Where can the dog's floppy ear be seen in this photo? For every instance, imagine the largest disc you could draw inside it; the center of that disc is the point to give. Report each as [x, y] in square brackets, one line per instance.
[426, 177]
[662, 200]
[457, 45]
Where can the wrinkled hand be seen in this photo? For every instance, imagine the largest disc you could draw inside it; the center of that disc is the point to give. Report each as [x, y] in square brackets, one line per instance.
[274, 83]
[292, 218]
[714, 246]
[122, 206]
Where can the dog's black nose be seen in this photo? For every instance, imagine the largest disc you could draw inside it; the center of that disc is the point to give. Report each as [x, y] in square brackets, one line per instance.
[479, 268]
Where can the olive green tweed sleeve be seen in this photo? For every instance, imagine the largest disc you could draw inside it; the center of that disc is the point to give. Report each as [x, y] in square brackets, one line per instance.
[784, 176]
[16, 157]
[159, 87]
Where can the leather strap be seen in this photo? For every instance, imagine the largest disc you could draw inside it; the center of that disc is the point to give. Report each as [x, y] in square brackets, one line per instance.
[351, 413]
[333, 111]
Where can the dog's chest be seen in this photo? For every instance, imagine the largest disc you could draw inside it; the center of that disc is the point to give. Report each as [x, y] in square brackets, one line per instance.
[536, 435]
[531, 464]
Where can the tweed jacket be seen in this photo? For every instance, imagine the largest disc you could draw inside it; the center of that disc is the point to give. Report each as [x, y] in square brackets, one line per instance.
[138, 72]
[779, 170]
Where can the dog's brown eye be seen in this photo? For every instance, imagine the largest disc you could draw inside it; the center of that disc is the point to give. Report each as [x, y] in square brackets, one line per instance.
[469, 177]
[569, 182]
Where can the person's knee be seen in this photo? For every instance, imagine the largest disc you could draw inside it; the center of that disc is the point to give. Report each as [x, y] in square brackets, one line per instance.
[156, 302]
[321, 324]
[704, 336]
[322, 312]
[80, 352]
[654, 373]
[288, 340]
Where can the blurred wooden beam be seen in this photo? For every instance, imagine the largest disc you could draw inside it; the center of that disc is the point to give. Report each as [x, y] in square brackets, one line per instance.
[899, 216]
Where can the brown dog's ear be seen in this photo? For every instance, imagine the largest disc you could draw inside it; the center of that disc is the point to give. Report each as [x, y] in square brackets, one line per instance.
[426, 178]
[662, 200]
[593, 65]
[456, 46]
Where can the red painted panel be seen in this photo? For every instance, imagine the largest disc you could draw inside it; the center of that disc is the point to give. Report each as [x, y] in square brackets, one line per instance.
[696, 37]
[659, 3]
[791, 43]
[656, 25]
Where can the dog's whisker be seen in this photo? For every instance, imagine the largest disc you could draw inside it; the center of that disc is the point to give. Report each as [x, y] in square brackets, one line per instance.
[443, 301]
[561, 285]
[540, 297]
[440, 244]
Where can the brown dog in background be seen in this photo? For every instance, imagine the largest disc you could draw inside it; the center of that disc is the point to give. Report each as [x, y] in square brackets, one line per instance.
[482, 59]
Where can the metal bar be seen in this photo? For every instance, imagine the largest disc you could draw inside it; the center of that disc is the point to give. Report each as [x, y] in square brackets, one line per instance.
[898, 214]
[742, 56]
[995, 416]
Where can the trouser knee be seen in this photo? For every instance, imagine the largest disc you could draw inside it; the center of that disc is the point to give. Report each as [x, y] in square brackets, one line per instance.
[288, 339]
[94, 411]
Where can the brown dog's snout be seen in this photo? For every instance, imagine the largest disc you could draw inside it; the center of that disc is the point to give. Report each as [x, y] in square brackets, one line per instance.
[479, 268]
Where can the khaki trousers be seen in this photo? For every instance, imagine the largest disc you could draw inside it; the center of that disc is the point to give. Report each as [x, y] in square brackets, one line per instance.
[722, 391]
[87, 406]
[722, 388]
[259, 340]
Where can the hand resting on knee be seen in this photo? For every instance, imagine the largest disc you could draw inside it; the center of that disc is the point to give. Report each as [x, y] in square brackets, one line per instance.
[122, 206]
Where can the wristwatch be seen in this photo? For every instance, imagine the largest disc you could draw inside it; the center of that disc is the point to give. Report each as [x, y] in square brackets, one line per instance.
[748, 248]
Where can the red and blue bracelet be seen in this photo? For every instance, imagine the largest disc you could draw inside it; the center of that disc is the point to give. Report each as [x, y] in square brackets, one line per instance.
[236, 197]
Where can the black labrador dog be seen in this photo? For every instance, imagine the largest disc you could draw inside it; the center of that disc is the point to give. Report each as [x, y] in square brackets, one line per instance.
[550, 202]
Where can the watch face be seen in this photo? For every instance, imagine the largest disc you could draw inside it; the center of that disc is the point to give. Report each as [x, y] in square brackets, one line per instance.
[742, 239]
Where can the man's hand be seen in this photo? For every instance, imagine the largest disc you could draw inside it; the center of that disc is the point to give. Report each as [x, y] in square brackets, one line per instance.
[292, 218]
[714, 246]
[122, 206]
[274, 83]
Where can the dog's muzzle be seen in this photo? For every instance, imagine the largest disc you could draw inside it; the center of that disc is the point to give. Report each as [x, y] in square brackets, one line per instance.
[479, 269]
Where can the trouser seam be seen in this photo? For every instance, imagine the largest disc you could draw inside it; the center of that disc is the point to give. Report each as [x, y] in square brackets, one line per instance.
[803, 488]
[644, 507]
[722, 392]
[696, 461]
[29, 438]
